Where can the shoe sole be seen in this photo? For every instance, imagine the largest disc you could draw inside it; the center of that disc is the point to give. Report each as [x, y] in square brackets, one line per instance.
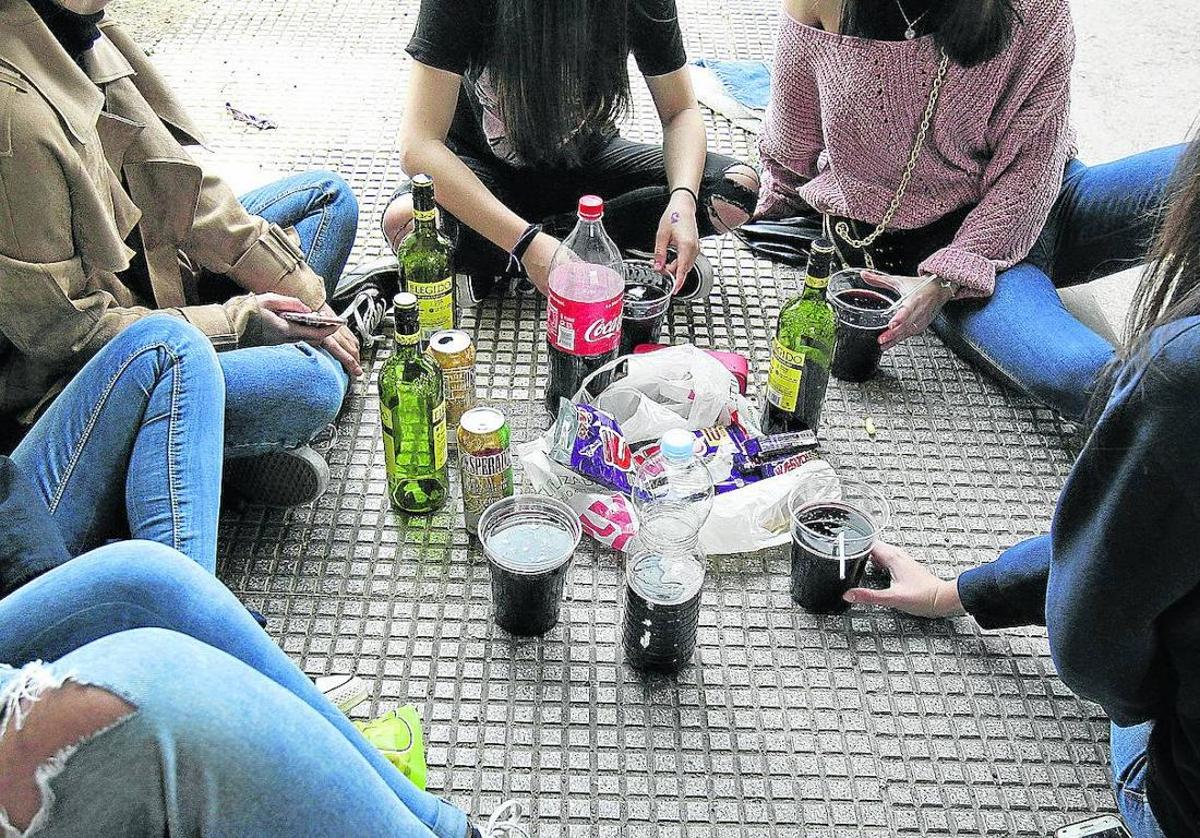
[280, 479]
[348, 695]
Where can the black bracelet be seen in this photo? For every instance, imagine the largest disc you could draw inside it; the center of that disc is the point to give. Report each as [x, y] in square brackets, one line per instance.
[517, 255]
[688, 190]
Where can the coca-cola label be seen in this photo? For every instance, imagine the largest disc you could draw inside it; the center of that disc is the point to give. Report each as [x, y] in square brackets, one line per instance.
[584, 328]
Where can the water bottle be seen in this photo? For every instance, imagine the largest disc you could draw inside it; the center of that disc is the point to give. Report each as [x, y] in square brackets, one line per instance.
[673, 495]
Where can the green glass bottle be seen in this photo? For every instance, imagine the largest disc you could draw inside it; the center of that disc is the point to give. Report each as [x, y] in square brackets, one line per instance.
[412, 409]
[426, 268]
[802, 351]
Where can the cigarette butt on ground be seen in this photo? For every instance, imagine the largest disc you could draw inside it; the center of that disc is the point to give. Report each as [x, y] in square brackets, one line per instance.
[870, 426]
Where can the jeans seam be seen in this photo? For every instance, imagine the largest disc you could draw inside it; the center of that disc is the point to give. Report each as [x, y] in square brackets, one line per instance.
[322, 225]
[276, 198]
[101, 403]
[172, 453]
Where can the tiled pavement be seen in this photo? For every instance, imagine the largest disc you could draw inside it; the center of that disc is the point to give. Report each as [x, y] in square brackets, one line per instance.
[788, 724]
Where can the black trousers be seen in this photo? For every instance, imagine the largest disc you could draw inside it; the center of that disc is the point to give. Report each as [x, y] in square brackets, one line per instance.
[630, 177]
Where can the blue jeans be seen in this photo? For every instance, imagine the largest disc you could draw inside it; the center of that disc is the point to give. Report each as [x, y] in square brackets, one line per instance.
[1129, 747]
[1103, 222]
[280, 397]
[133, 443]
[228, 736]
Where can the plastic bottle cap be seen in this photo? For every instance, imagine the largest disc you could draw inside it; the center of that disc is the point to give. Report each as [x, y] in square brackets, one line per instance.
[678, 445]
[591, 207]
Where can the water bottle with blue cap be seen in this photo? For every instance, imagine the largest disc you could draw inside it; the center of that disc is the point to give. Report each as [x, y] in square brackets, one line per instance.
[673, 494]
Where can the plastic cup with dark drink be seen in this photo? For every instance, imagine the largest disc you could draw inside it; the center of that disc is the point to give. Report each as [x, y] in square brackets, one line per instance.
[835, 524]
[529, 541]
[647, 300]
[863, 310]
[662, 609]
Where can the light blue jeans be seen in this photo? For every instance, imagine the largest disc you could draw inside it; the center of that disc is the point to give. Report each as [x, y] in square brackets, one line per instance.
[280, 397]
[228, 737]
[133, 443]
[1129, 763]
[1103, 222]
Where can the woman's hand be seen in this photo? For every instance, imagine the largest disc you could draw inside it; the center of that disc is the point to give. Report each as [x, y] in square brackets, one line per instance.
[677, 229]
[539, 259]
[274, 330]
[343, 346]
[918, 311]
[914, 590]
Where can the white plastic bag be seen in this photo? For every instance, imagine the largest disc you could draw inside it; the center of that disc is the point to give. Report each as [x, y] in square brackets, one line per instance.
[678, 387]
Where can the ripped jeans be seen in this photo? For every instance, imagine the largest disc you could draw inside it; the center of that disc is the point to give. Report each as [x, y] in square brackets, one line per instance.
[223, 735]
[631, 178]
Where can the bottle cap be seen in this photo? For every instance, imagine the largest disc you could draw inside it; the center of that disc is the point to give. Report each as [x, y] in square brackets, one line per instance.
[405, 300]
[678, 445]
[591, 207]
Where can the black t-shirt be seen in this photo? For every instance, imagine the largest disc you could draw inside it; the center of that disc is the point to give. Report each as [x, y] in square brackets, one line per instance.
[457, 36]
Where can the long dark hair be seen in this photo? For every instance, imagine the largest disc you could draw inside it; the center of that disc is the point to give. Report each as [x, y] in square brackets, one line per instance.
[971, 31]
[560, 69]
[1170, 286]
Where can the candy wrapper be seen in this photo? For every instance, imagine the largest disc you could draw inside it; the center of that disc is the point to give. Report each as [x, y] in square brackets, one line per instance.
[589, 442]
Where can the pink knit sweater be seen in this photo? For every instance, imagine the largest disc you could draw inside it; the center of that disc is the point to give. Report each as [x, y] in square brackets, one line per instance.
[845, 111]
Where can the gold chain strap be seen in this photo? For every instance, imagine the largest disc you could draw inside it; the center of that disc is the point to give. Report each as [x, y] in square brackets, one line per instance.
[843, 229]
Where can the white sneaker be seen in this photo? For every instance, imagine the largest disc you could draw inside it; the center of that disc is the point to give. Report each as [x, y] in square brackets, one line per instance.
[505, 822]
[345, 691]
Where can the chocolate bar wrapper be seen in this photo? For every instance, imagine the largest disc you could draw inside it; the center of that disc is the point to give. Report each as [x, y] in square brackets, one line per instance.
[589, 442]
[783, 466]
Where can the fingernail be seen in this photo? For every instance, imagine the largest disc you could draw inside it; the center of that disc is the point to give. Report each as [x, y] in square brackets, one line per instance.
[850, 597]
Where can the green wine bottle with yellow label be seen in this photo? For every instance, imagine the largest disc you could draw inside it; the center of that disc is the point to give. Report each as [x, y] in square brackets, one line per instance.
[802, 351]
[412, 409]
[426, 267]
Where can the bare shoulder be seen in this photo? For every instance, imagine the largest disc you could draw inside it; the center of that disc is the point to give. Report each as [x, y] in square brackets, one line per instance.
[808, 12]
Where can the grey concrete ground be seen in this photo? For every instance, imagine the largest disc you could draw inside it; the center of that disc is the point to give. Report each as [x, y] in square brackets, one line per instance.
[788, 724]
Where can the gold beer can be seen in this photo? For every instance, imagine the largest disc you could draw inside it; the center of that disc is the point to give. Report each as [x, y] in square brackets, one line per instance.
[484, 462]
[454, 353]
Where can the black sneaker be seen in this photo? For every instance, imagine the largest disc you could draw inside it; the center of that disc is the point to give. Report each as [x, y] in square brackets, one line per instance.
[280, 479]
[698, 283]
[365, 314]
[382, 273]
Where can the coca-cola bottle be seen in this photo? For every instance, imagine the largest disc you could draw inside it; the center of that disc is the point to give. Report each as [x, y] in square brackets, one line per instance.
[583, 323]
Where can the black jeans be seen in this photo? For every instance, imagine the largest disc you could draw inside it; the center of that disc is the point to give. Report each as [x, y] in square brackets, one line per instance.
[630, 177]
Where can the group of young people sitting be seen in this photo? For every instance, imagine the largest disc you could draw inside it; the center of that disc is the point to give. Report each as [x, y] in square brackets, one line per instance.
[145, 365]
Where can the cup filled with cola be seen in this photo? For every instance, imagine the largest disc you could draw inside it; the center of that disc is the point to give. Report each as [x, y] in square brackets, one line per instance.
[647, 300]
[864, 306]
[529, 541]
[835, 524]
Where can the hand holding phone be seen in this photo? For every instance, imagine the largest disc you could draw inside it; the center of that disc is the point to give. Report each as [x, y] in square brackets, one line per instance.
[312, 319]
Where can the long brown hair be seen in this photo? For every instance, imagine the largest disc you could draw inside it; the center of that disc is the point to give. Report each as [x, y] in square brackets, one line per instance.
[1170, 286]
[560, 68]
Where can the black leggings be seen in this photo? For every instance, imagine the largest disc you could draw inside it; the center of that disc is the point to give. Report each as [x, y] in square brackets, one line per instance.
[630, 177]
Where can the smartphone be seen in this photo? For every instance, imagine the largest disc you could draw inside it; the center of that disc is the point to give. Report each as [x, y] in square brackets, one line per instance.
[312, 319]
[1104, 826]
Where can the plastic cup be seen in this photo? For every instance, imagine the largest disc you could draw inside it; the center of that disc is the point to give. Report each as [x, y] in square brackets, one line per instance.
[835, 524]
[662, 609]
[529, 541]
[647, 300]
[863, 312]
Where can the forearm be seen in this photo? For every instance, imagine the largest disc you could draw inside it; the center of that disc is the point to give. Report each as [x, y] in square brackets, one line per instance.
[1011, 591]
[685, 146]
[464, 195]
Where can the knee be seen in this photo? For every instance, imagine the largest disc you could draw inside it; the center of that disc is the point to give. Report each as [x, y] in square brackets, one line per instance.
[147, 575]
[397, 219]
[734, 198]
[183, 340]
[328, 383]
[46, 720]
[339, 194]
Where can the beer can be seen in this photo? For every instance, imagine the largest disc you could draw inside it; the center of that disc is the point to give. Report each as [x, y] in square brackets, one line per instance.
[484, 462]
[454, 353]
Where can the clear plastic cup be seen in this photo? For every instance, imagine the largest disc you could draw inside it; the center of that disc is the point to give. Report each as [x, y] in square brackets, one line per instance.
[529, 541]
[662, 609]
[647, 300]
[835, 524]
[863, 310]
